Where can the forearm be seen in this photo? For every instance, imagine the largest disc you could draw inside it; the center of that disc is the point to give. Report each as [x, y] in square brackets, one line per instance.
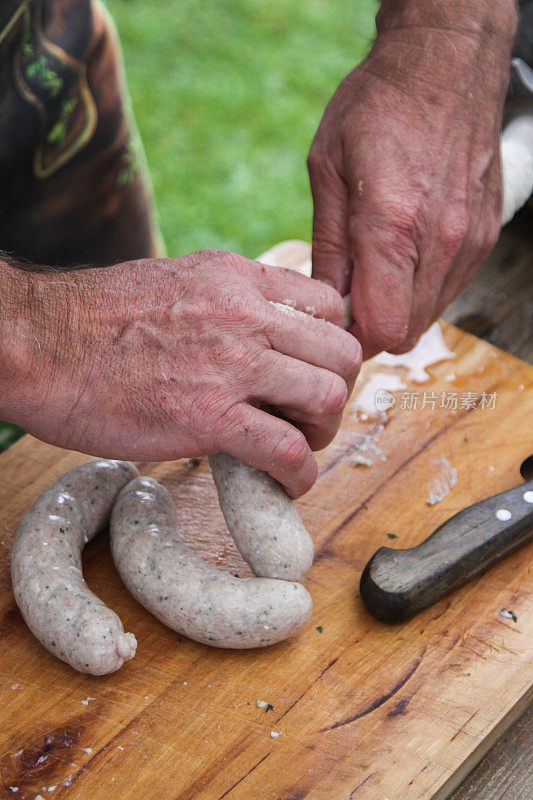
[15, 336]
[32, 313]
[446, 45]
[496, 18]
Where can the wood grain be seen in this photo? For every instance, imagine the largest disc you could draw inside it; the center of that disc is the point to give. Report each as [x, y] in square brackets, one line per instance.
[493, 779]
[498, 307]
[364, 710]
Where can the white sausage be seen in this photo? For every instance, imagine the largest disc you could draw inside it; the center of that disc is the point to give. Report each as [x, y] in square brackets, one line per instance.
[58, 606]
[262, 519]
[186, 593]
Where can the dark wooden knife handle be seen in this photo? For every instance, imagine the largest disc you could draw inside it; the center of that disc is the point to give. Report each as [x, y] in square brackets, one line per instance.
[396, 584]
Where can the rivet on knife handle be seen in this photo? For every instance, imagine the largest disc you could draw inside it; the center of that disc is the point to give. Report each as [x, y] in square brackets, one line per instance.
[396, 584]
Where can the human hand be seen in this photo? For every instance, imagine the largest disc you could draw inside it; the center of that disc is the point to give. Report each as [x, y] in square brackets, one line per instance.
[405, 166]
[158, 359]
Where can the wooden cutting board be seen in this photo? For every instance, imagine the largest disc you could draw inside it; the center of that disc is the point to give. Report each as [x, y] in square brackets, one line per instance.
[363, 710]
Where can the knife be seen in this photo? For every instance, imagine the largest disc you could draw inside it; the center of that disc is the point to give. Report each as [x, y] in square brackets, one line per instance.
[397, 584]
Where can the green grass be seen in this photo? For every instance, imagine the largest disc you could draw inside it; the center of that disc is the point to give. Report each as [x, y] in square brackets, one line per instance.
[227, 96]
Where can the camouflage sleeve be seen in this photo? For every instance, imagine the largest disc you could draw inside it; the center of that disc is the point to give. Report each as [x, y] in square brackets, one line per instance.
[74, 186]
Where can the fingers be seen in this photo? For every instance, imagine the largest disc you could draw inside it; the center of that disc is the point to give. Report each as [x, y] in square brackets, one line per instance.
[456, 280]
[272, 445]
[310, 397]
[444, 253]
[448, 264]
[482, 240]
[315, 342]
[331, 252]
[382, 284]
[428, 282]
[291, 288]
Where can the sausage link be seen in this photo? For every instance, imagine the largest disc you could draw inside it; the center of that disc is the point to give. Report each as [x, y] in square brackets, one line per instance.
[262, 519]
[56, 603]
[186, 593]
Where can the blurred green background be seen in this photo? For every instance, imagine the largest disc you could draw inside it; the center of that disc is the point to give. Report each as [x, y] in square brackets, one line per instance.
[227, 96]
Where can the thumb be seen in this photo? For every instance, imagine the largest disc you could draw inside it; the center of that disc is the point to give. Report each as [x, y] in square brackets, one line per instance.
[331, 258]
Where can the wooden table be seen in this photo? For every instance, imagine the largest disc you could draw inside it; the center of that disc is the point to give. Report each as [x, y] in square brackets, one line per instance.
[498, 306]
[501, 769]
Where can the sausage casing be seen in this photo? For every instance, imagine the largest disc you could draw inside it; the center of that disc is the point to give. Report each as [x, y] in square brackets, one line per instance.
[46, 570]
[187, 594]
[262, 519]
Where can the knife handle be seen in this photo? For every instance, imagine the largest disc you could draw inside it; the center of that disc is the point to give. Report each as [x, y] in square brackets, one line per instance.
[396, 584]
